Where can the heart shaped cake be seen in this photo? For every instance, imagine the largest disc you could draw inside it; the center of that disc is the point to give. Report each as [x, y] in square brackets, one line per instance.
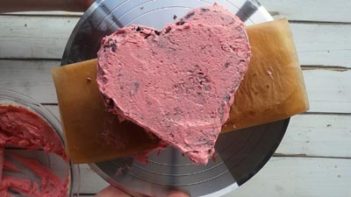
[177, 83]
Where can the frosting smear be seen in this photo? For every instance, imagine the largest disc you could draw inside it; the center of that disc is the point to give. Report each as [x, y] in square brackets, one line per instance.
[20, 128]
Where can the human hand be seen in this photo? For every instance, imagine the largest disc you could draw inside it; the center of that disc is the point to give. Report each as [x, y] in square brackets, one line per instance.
[111, 191]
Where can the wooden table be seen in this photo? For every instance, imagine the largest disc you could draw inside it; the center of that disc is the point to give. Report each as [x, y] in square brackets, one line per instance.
[314, 158]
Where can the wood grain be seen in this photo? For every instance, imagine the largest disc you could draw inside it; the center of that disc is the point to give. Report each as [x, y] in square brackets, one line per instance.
[323, 44]
[31, 78]
[310, 10]
[328, 91]
[34, 36]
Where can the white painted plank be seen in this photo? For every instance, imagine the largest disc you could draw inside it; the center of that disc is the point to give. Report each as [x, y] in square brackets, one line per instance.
[311, 10]
[32, 78]
[281, 176]
[328, 90]
[318, 135]
[302, 177]
[323, 44]
[46, 37]
[34, 37]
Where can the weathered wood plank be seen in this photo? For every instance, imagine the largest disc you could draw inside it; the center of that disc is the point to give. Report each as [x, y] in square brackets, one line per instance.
[34, 37]
[282, 176]
[45, 37]
[323, 44]
[303, 177]
[311, 10]
[317, 135]
[32, 78]
[328, 90]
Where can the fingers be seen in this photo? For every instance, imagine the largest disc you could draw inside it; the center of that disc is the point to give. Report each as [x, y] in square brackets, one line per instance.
[177, 194]
[111, 191]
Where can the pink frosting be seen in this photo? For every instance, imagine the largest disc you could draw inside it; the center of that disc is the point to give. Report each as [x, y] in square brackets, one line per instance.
[178, 83]
[21, 128]
[1, 162]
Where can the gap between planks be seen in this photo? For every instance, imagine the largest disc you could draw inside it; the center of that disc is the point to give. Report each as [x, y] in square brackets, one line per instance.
[318, 22]
[303, 66]
[328, 113]
[308, 156]
[77, 15]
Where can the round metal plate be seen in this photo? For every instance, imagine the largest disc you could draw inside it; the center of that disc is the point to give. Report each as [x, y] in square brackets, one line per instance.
[239, 154]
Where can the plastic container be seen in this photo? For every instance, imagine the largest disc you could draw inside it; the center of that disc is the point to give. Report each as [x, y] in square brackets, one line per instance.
[56, 164]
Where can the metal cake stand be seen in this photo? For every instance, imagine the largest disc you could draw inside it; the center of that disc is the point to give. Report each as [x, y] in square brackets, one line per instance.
[239, 155]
